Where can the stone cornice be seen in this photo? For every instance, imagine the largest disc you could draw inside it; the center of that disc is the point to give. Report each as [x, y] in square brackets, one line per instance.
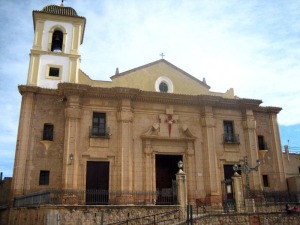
[61, 54]
[37, 90]
[67, 89]
[268, 109]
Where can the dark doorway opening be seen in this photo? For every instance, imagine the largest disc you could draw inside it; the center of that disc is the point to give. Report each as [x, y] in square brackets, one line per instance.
[166, 169]
[97, 183]
[228, 173]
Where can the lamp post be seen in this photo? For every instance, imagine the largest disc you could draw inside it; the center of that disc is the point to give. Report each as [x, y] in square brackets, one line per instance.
[246, 169]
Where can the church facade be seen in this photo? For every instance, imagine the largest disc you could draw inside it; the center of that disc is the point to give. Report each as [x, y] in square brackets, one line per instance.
[129, 134]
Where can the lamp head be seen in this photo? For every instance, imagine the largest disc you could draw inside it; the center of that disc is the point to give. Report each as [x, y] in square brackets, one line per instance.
[180, 164]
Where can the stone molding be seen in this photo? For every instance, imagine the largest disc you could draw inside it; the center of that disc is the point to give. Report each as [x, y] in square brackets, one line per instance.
[65, 89]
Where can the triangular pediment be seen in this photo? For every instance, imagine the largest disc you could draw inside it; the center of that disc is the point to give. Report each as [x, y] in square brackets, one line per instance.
[148, 78]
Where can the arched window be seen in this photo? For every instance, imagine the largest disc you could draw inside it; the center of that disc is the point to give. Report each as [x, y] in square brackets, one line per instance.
[57, 41]
[164, 84]
[163, 87]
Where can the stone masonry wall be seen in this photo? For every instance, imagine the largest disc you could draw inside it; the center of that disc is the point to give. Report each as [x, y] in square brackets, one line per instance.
[87, 215]
[249, 219]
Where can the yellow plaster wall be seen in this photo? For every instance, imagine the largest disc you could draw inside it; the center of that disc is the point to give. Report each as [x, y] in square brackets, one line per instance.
[144, 79]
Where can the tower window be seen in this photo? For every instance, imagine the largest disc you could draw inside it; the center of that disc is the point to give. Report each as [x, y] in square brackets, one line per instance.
[44, 177]
[163, 87]
[53, 72]
[57, 41]
[48, 132]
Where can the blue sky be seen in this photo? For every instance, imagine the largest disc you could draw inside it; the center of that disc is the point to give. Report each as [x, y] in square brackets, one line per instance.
[250, 46]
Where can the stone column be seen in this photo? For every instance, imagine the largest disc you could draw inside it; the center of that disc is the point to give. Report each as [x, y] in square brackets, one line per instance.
[181, 188]
[238, 191]
[251, 148]
[71, 142]
[210, 166]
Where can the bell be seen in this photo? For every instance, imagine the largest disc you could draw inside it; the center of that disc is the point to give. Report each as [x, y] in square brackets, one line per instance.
[57, 42]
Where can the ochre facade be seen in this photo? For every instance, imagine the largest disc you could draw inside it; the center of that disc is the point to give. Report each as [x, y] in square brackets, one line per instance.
[147, 114]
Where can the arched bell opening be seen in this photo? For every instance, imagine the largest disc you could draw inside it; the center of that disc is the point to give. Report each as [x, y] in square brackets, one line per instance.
[57, 41]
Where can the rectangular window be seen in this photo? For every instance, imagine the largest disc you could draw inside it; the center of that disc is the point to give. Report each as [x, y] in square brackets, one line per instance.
[229, 136]
[261, 142]
[44, 177]
[99, 124]
[53, 72]
[48, 132]
[266, 180]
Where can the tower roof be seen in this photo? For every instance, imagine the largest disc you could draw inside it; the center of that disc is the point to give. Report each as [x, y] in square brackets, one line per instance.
[60, 10]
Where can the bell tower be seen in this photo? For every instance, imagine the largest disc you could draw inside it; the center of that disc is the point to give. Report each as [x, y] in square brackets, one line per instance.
[54, 57]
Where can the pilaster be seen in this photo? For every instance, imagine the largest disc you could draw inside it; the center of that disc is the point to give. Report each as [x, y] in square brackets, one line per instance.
[38, 36]
[149, 170]
[277, 153]
[33, 70]
[211, 176]
[190, 169]
[249, 124]
[125, 153]
[23, 144]
[70, 167]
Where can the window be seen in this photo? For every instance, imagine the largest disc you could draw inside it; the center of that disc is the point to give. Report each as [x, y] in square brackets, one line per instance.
[163, 87]
[44, 177]
[99, 124]
[53, 72]
[266, 180]
[261, 142]
[164, 84]
[48, 132]
[228, 131]
[57, 41]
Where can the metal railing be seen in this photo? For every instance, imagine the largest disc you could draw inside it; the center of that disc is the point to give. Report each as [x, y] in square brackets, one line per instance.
[100, 132]
[96, 197]
[231, 139]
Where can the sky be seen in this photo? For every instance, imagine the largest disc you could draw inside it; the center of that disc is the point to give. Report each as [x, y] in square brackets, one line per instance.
[250, 46]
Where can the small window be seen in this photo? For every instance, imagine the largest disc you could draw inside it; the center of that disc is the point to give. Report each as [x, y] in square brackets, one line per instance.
[163, 87]
[44, 177]
[261, 142]
[57, 41]
[266, 180]
[53, 72]
[48, 132]
[99, 124]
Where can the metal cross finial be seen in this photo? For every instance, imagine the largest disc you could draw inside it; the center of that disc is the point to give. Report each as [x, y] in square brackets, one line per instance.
[162, 55]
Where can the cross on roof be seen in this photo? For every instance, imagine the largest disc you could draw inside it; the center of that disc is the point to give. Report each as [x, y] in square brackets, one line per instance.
[162, 55]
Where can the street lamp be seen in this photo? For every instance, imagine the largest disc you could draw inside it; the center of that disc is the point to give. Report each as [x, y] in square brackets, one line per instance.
[246, 169]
